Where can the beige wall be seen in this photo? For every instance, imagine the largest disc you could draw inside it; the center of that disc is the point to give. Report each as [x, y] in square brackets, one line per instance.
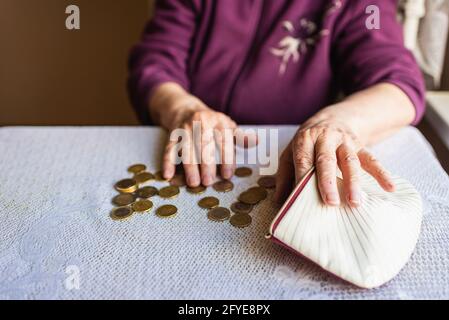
[50, 75]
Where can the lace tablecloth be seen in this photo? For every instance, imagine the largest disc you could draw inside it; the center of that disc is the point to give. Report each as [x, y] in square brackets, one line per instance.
[58, 241]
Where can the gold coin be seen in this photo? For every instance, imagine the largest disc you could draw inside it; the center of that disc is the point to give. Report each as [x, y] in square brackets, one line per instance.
[260, 192]
[146, 192]
[179, 180]
[267, 182]
[142, 206]
[250, 198]
[159, 177]
[126, 186]
[243, 172]
[223, 186]
[196, 190]
[208, 203]
[166, 211]
[122, 200]
[169, 192]
[121, 213]
[137, 168]
[143, 177]
[241, 220]
[240, 207]
[219, 214]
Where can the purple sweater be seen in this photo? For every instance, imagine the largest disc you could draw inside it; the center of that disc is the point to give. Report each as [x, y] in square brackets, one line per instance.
[272, 61]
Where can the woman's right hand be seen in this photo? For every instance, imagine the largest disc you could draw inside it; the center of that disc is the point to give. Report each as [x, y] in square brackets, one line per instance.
[177, 109]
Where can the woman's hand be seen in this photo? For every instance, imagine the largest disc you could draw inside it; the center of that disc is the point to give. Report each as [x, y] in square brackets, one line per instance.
[217, 131]
[174, 109]
[327, 141]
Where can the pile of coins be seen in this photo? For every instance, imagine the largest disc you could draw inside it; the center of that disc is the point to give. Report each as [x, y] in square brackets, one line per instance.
[133, 197]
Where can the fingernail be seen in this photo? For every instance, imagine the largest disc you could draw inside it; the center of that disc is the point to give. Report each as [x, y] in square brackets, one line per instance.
[332, 199]
[192, 181]
[227, 173]
[207, 179]
[354, 199]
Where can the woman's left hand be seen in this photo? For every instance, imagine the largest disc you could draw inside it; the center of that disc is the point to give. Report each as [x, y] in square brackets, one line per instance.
[327, 142]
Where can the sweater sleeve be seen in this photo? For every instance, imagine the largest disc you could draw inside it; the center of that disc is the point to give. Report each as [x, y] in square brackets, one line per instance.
[364, 57]
[162, 53]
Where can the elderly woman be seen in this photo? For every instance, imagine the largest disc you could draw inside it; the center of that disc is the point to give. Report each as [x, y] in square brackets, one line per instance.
[281, 62]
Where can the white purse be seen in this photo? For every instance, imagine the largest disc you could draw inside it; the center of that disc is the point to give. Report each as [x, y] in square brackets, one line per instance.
[366, 246]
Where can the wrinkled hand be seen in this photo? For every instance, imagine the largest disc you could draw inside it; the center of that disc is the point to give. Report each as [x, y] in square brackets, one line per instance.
[201, 167]
[326, 144]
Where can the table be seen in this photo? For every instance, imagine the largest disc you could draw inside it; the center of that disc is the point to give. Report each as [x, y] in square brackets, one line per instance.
[58, 242]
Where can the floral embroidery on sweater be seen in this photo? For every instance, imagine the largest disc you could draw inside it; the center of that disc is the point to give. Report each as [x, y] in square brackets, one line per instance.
[300, 38]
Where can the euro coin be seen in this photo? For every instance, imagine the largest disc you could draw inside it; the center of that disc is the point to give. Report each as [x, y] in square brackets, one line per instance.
[159, 177]
[121, 213]
[137, 168]
[250, 198]
[166, 211]
[179, 180]
[260, 192]
[223, 186]
[240, 207]
[142, 206]
[122, 200]
[196, 190]
[126, 186]
[143, 177]
[241, 220]
[243, 172]
[267, 182]
[219, 214]
[169, 192]
[146, 192]
[208, 203]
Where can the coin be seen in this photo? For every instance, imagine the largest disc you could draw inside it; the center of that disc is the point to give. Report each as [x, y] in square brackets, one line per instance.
[243, 172]
[268, 182]
[126, 185]
[146, 192]
[259, 191]
[121, 213]
[250, 198]
[169, 192]
[122, 200]
[208, 202]
[142, 206]
[240, 207]
[223, 186]
[143, 177]
[219, 214]
[166, 211]
[179, 180]
[136, 168]
[159, 177]
[196, 190]
[241, 220]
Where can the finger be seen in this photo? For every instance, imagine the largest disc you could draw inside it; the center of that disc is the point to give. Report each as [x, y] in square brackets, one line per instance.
[284, 177]
[169, 160]
[371, 165]
[349, 164]
[225, 141]
[208, 164]
[246, 139]
[326, 166]
[303, 154]
[189, 160]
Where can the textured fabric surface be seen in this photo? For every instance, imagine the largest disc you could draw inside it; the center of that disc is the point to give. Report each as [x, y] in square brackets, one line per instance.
[56, 185]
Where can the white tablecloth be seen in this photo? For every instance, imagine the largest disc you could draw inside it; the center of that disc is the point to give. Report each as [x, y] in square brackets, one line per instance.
[58, 241]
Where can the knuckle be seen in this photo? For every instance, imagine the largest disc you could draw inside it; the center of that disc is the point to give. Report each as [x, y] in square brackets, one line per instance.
[325, 158]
